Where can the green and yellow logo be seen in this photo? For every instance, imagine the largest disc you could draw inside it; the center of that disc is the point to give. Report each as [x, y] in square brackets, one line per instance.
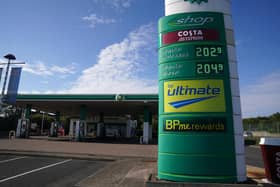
[197, 1]
[194, 96]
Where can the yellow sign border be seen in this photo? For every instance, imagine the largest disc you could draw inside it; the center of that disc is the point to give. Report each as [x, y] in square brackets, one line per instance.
[207, 95]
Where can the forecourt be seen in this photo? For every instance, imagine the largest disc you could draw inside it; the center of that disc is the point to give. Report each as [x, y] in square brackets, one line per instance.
[95, 108]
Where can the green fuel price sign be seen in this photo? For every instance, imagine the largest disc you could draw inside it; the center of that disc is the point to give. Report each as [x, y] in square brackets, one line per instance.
[209, 68]
[177, 70]
[183, 52]
[193, 53]
[208, 51]
[195, 107]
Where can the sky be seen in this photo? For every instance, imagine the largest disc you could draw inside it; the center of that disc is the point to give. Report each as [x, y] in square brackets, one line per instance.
[110, 46]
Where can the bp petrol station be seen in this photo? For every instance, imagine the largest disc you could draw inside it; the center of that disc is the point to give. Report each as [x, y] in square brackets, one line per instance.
[200, 135]
[102, 114]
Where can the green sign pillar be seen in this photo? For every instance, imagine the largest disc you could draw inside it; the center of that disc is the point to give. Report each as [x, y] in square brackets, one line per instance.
[27, 111]
[83, 112]
[57, 116]
[200, 128]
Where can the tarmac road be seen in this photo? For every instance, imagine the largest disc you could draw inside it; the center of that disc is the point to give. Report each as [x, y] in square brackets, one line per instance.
[19, 170]
[44, 171]
[254, 156]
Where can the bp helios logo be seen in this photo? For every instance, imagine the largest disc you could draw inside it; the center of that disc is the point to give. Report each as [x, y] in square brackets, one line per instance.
[197, 1]
[194, 96]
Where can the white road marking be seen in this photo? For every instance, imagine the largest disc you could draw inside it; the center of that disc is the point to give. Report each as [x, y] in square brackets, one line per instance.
[12, 159]
[35, 170]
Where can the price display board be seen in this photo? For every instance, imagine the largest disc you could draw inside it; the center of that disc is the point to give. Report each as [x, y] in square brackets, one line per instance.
[195, 107]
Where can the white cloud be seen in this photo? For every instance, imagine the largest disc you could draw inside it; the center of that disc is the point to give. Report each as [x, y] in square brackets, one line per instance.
[30, 92]
[123, 67]
[116, 4]
[262, 98]
[40, 68]
[93, 19]
[121, 3]
[44, 92]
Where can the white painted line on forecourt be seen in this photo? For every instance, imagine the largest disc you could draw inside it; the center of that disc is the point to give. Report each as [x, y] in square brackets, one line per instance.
[12, 159]
[35, 170]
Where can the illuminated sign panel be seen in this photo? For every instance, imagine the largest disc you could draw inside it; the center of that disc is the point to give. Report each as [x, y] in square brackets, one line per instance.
[190, 35]
[183, 52]
[208, 51]
[201, 124]
[207, 19]
[194, 96]
[209, 68]
[195, 102]
[179, 70]
[193, 65]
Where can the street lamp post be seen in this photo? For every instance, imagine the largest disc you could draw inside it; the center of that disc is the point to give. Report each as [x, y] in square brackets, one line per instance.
[9, 57]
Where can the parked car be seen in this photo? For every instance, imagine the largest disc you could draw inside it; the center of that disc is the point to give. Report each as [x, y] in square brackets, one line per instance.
[248, 134]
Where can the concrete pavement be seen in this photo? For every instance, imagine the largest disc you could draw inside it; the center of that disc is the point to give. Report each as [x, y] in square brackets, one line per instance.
[94, 150]
[127, 172]
[132, 166]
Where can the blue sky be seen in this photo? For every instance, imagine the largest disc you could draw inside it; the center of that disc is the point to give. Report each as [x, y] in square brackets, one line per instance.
[110, 46]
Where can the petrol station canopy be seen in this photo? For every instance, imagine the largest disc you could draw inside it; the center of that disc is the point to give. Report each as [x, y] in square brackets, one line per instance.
[109, 104]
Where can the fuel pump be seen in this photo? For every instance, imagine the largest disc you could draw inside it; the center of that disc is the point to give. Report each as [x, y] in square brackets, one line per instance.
[54, 129]
[72, 127]
[100, 132]
[80, 130]
[23, 128]
[128, 128]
